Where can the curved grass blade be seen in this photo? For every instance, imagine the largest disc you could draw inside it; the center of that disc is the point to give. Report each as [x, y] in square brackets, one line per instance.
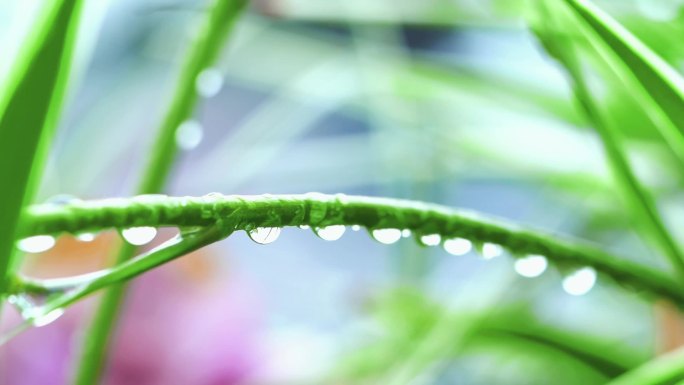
[29, 112]
[662, 87]
[638, 199]
[215, 31]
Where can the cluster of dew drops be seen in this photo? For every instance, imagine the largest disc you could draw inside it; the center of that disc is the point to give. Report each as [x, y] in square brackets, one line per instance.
[577, 283]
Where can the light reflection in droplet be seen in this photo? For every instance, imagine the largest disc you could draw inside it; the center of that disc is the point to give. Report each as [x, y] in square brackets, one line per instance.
[36, 244]
[86, 237]
[387, 236]
[405, 233]
[431, 239]
[580, 282]
[189, 135]
[458, 246]
[356, 227]
[331, 233]
[491, 250]
[48, 318]
[531, 266]
[139, 236]
[209, 82]
[264, 235]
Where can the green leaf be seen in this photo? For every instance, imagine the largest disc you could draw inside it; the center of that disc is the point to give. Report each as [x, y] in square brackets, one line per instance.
[29, 112]
[659, 81]
[564, 48]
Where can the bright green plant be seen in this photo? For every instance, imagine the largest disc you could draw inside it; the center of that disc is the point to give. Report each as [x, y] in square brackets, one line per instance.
[581, 37]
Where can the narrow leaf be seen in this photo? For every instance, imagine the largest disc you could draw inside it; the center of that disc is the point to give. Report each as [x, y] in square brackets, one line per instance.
[29, 112]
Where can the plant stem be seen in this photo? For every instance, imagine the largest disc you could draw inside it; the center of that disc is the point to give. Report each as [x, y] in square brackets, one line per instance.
[319, 210]
[204, 53]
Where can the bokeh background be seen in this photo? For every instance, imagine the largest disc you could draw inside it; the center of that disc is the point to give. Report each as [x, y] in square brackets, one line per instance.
[448, 101]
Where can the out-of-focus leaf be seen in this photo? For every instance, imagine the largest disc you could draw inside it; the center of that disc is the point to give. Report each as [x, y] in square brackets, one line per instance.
[29, 112]
[660, 83]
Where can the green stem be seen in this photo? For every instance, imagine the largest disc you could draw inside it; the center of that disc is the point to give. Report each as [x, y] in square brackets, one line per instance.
[203, 54]
[319, 210]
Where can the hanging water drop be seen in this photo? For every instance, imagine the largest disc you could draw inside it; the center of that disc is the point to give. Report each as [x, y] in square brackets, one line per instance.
[405, 233]
[330, 233]
[48, 318]
[580, 282]
[139, 236]
[264, 235]
[458, 246]
[491, 250]
[531, 266]
[356, 227]
[431, 239]
[387, 236]
[36, 244]
[304, 227]
[86, 237]
[209, 82]
[189, 135]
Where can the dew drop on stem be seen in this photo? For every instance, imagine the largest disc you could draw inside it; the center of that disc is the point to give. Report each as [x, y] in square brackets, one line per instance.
[47, 318]
[189, 135]
[386, 236]
[405, 233]
[330, 233]
[530, 266]
[491, 250]
[356, 227]
[36, 244]
[580, 282]
[458, 246]
[264, 235]
[86, 237]
[431, 239]
[139, 236]
[209, 82]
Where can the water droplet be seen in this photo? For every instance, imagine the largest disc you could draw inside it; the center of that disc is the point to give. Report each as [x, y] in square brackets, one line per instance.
[331, 233]
[209, 82]
[189, 135]
[491, 250]
[580, 282]
[304, 227]
[264, 235]
[458, 246]
[139, 236]
[356, 227]
[23, 303]
[405, 233]
[387, 236]
[531, 266]
[36, 244]
[86, 237]
[48, 318]
[431, 239]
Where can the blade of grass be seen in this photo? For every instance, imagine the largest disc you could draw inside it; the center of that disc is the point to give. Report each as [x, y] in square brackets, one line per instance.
[29, 113]
[205, 51]
[638, 199]
[659, 82]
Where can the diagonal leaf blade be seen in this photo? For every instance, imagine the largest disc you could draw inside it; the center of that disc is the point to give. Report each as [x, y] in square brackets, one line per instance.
[29, 112]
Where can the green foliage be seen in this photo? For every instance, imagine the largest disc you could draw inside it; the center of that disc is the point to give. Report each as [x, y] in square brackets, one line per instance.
[422, 335]
[30, 107]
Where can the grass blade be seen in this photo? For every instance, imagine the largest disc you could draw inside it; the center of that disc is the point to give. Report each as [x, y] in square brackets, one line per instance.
[29, 113]
[220, 21]
[639, 201]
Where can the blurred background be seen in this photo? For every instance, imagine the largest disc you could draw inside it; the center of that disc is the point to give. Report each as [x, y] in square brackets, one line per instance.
[447, 101]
